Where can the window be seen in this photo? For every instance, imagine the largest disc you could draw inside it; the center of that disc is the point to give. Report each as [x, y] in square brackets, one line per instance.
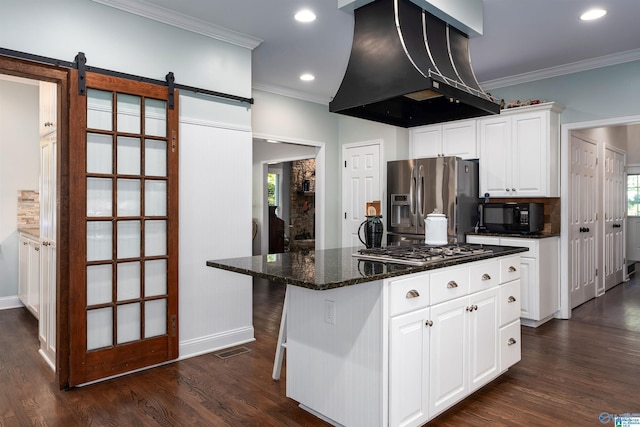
[633, 195]
[273, 189]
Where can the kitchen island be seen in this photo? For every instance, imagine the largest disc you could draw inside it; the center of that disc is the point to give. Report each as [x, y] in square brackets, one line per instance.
[383, 344]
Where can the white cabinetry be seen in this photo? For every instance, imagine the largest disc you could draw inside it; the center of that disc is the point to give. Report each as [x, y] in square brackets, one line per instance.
[449, 139]
[448, 346]
[540, 275]
[29, 273]
[520, 152]
[47, 324]
[48, 110]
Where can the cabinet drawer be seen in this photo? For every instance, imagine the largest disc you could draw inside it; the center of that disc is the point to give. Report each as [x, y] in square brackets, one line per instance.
[510, 345]
[484, 276]
[411, 293]
[449, 284]
[510, 302]
[509, 269]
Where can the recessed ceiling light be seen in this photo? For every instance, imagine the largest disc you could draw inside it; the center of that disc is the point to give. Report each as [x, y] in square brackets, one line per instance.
[592, 14]
[305, 15]
[307, 77]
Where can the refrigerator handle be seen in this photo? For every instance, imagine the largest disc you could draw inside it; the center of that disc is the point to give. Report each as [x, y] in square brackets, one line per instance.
[412, 195]
[420, 191]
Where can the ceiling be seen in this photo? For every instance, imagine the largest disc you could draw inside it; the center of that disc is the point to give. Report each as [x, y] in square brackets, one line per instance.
[523, 40]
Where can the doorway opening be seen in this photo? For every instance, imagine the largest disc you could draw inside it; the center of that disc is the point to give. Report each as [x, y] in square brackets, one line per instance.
[288, 189]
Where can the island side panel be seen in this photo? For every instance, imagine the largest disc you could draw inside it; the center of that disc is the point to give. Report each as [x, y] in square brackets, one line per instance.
[337, 370]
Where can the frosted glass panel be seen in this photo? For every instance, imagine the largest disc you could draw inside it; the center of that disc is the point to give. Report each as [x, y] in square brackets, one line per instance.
[128, 197]
[99, 197]
[155, 198]
[155, 238]
[99, 328]
[128, 155]
[99, 109]
[128, 239]
[155, 277]
[155, 318]
[155, 157]
[155, 117]
[128, 280]
[128, 113]
[99, 284]
[99, 153]
[99, 240]
[128, 322]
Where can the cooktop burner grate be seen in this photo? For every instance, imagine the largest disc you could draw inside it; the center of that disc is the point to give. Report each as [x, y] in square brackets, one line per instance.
[419, 254]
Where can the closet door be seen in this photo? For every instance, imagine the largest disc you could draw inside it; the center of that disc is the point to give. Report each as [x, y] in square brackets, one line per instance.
[124, 228]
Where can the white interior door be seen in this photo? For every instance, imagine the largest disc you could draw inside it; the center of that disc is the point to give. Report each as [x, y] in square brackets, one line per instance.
[582, 220]
[614, 206]
[360, 184]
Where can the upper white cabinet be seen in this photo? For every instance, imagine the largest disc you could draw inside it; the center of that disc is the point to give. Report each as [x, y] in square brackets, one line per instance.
[48, 113]
[448, 139]
[520, 152]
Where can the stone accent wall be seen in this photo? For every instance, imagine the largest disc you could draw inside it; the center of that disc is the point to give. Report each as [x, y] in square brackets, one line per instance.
[28, 209]
[302, 205]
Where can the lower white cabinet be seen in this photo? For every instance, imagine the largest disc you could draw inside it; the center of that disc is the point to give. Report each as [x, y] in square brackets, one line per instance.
[29, 273]
[540, 275]
[441, 353]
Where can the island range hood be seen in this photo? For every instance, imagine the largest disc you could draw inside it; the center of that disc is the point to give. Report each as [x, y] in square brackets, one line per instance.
[408, 68]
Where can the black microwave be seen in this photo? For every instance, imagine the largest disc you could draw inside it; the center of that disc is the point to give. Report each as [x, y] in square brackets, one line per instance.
[524, 218]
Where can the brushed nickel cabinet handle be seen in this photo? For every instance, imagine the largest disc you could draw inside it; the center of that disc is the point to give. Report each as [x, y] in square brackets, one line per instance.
[485, 276]
[452, 285]
[511, 341]
[412, 294]
[511, 299]
[512, 269]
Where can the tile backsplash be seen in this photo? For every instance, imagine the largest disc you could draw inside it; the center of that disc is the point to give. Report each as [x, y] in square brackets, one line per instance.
[28, 209]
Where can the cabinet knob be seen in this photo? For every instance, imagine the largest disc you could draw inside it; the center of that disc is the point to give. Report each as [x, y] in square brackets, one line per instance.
[452, 285]
[513, 189]
[475, 307]
[45, 243]
[413, 294]
[485, 276]
[511, 299]
[428, 323]
[469, 308]
[37, 248]
[512, 269]
[511, 341]
[506, 189]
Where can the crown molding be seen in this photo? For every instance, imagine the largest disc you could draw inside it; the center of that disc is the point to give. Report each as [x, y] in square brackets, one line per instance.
[176, 19]
[561, 70]
[291, 93]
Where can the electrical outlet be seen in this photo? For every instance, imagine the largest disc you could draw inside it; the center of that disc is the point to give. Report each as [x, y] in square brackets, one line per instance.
[330, 312]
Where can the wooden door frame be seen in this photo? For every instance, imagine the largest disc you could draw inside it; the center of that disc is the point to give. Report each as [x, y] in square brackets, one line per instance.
[60, 76]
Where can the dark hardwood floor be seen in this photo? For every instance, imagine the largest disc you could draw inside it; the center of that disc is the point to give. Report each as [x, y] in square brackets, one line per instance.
[570, 373]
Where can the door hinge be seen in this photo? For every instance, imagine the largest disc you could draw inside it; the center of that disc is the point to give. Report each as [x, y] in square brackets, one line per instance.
[174, 321]
[345, 215]
[596, 272]
[345, 163]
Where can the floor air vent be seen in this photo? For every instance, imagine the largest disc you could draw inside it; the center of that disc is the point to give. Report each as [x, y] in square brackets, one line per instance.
[230, 352]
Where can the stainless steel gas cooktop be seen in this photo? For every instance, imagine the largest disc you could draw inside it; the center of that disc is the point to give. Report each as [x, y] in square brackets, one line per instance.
[420, 254]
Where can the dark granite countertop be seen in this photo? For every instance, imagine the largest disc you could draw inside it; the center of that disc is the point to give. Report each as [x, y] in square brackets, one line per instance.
[335, 268]
[541, 235]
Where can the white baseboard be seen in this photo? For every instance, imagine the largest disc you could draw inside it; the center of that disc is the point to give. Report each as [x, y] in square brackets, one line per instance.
[10, 302]
[211, 343]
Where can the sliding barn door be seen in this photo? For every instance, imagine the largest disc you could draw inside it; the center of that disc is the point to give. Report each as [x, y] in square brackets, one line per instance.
[124, 228]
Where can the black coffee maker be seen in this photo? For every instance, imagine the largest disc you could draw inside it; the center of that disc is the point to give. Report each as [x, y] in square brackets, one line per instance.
[373, 229]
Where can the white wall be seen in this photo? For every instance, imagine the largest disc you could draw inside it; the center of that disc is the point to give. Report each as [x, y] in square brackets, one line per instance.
[120, 41]
[215, 306]
[19, 170]
[602, 93]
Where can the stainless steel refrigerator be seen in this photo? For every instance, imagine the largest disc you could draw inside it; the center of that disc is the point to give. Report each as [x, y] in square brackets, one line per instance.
[417, 187]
